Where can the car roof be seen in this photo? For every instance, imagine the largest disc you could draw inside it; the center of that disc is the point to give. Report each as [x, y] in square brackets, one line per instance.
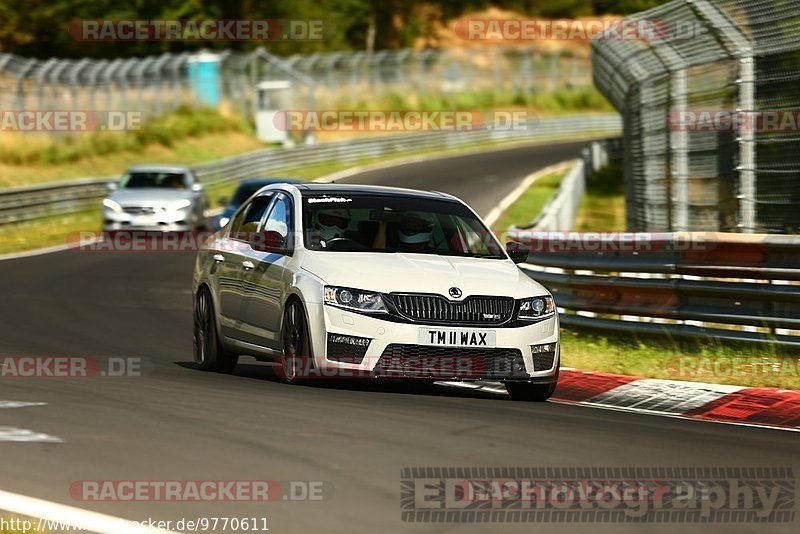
[156, 167]
[359, 189]
[268, 180]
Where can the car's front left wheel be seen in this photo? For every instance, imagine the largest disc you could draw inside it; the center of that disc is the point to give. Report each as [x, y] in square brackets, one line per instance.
[296, 362]
[209, 355]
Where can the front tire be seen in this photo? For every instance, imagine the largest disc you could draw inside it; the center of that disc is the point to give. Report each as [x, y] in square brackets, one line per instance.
[296, 362]
[209, 355]
[525, 391]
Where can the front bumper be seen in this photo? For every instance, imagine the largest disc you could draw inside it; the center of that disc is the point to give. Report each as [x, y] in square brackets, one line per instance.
[179, 221]
[444, 363]
[160, 227]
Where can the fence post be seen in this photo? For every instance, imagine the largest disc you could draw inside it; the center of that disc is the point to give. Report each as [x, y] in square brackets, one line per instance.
[679, 164]
[747, 153]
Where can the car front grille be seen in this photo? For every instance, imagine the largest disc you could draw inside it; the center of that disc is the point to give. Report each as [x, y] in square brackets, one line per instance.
[450, 363]
[139, 210]
[437, 309]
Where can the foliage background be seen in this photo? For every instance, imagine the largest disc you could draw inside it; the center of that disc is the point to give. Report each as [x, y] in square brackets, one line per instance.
[39, 28]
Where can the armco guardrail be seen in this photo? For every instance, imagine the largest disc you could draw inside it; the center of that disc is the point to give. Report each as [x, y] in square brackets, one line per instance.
[19, 204]
[26, 203]
[705, 285]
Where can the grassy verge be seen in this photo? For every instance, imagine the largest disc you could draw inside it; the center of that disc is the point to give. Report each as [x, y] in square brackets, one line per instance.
[48, 231]
[603, 205]
[564, 100]
[188, 151]
[528, 206]
[709, 361]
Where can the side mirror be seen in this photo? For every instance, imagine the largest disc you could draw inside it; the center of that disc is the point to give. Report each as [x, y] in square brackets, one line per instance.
[517, 251]
[269, 241]
[197, 187]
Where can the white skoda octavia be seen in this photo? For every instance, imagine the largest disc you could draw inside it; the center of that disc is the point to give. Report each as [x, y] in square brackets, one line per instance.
[360, 281]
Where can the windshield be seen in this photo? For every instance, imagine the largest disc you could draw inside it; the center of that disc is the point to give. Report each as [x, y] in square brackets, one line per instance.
[150, 180]
[377, 223]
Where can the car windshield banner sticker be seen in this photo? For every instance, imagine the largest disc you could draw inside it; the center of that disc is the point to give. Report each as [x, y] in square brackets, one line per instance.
[317, 200]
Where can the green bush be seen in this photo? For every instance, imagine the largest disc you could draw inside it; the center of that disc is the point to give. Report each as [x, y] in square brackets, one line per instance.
[22, 149]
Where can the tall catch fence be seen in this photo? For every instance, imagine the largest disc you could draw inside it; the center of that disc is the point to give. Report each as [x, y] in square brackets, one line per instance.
[710, 106]
[155, 84]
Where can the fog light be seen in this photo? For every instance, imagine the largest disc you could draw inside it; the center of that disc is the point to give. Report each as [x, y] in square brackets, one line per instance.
[347, 349]
[348, 340]
[544, 356]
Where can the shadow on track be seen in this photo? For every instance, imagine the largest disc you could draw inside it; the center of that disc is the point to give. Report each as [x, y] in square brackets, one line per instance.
[265, 372]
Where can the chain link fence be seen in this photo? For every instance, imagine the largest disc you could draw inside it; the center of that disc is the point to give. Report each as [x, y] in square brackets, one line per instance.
[155, 84]
[710, 107]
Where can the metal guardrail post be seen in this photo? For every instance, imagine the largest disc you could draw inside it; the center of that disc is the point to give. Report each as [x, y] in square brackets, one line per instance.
[747, 148]
[739, 46]
[679, 160]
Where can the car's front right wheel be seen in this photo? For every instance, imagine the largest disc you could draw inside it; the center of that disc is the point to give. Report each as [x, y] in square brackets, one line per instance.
[525, 391]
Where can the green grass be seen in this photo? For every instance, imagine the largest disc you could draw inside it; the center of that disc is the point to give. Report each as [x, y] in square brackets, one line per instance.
[603, 206]
[165, 130]
[527, 207]
[708, 361]
[564, 100]
[47, 231]
[187, 151]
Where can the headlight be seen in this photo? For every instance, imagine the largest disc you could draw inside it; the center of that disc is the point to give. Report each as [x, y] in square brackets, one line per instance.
[354, 299]
[112, 205]
[536, 308]
[223, 221]
[180, 205]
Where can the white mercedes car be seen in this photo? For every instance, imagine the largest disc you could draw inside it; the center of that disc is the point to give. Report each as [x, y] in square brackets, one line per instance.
[347, 281]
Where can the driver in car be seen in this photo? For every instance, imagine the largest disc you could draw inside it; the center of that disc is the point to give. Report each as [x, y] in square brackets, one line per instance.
[331, 224]
[414, 232]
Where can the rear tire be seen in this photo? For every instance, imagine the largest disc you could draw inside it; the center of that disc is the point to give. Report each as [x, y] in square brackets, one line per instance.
[209, 355]
[525, 391]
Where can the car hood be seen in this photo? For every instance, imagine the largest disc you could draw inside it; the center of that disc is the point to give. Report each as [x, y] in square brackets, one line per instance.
[421, 273]
[150, 197]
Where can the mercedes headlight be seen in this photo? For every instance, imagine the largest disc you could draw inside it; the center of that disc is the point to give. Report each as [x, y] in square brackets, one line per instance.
[354, 299]
[180, 205]
[112, 205]
[536, 308]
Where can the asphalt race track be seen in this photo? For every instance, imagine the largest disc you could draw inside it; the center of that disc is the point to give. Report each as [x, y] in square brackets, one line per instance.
[178, 423]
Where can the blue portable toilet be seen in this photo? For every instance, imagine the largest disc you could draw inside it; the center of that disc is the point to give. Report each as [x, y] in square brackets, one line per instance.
[204, 77]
